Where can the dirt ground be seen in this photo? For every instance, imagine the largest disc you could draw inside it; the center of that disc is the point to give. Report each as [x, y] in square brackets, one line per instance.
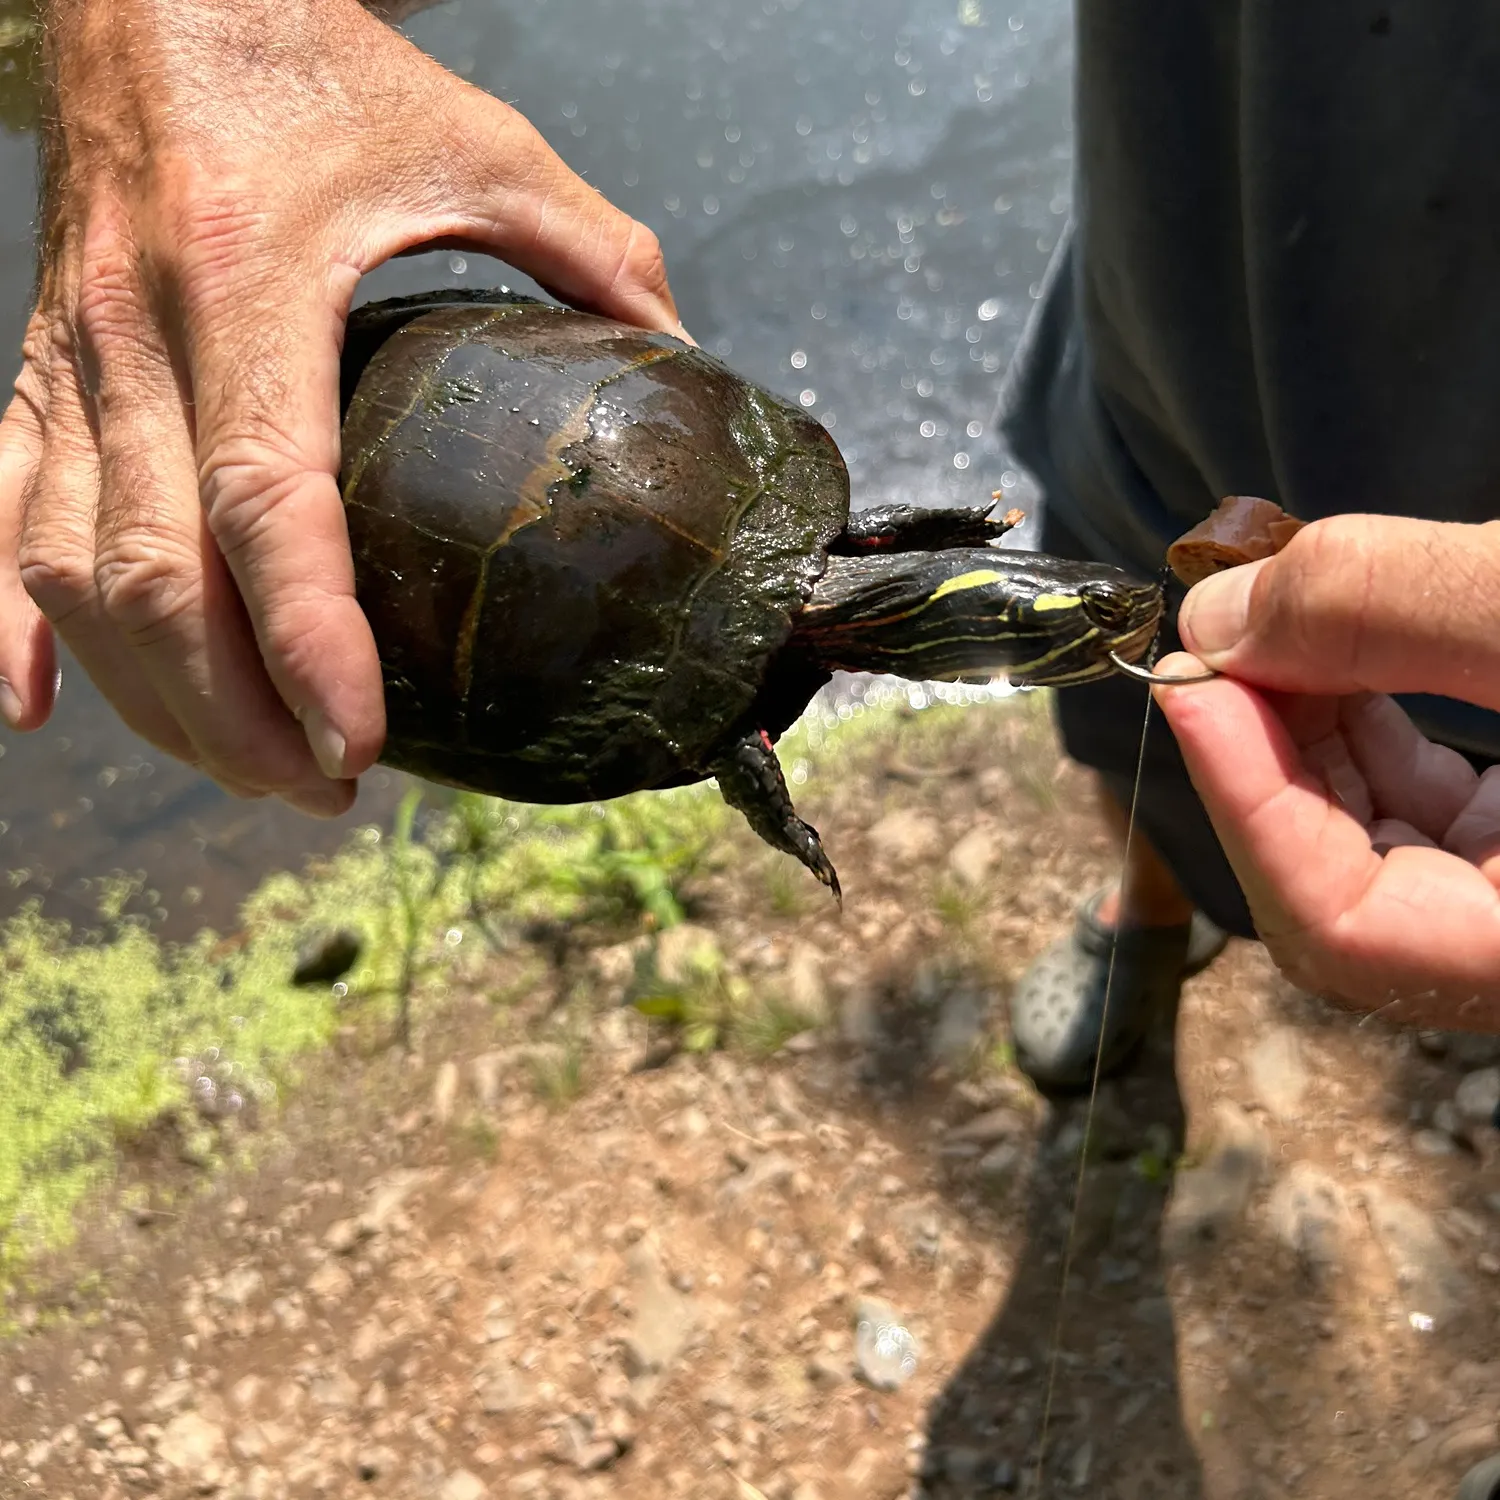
[536, 1261]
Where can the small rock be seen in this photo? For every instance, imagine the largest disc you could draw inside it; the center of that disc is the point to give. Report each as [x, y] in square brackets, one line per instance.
[827, 1370]
[191, 1444]
[240, 1287]
[1208, 1198]
[1432, 1284]
[330, 1282]
[1309, 1213]
[376, 1463]
[768, 1171]
[1478, 1098]
[487, 1070]
[885, 1352]
[960, 1024]
[500, 1388]
[905, 837]
[445, 1092]
[1469, 1439]
[993, 1125]
[334, 1392]
[463, 1485]
[1433, 1143]
[664, 1318]
[342, 1236]
[963, 1466]
[1278, 1074]
[973, 857]
[999, 1164]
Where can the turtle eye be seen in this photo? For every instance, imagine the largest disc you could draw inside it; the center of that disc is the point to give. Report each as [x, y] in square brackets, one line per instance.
[1106, 606]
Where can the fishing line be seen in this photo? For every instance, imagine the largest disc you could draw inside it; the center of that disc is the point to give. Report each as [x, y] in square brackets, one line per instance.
[1088, 1120]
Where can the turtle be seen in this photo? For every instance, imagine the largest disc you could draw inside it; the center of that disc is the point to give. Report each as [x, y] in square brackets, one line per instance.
[597, 561]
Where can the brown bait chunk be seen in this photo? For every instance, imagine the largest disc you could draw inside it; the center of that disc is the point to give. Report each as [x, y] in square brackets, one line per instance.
[1242, 529]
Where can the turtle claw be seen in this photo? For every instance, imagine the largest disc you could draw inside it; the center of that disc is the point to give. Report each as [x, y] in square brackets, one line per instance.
[750, 779]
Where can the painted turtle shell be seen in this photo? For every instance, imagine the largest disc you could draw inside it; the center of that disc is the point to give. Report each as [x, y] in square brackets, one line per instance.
[580, 546]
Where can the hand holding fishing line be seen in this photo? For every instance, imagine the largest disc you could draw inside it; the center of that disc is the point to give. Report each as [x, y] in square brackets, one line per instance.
[1369, 855]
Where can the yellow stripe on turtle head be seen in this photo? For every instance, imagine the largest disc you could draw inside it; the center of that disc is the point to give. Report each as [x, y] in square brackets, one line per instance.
[1055, 601]
[975, 580]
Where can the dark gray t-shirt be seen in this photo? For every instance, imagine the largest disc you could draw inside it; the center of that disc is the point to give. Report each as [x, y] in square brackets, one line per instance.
[1283, 277]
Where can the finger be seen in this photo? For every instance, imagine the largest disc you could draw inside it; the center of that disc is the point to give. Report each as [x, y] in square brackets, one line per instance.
[263, 352]
[496, 184]
[28, 661]
[1475, 834]
[1418, 930]
[56, 557]
[161, 582]
[1315, 729]
[1391, 833]
[1409, 777]
[1360, 603]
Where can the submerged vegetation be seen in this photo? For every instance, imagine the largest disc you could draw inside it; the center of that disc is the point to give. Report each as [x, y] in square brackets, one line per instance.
[110, 1037]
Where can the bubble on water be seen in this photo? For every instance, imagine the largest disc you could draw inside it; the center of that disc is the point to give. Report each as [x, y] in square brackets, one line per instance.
[960, 460]
[818, 312]
[975, 429]
[799, 359]
[710, 205]
[453, 937]
[732, 134]
[570, 110]
[849, 224]
[804, 125]
[631, 178]
[928, 428]
[457, 264]
[916, 88]
[340, 989]
[808, 397]
[989, 309]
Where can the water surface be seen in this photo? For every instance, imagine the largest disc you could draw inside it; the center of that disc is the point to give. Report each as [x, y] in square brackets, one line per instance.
[856, 199]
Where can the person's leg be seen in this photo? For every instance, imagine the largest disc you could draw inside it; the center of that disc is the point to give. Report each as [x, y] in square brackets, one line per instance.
[1147, 893]
[1164, 913]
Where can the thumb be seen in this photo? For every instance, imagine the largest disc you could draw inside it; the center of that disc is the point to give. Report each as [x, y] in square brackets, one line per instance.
[1360, 603]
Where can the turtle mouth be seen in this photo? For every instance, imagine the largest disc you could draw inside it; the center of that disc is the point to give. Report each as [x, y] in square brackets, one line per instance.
[1127, 619]
[1133, 645]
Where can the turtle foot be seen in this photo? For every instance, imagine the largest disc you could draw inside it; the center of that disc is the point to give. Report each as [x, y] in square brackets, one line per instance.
[750, 779]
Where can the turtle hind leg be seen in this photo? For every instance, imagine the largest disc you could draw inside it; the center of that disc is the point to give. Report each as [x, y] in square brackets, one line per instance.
[750, 779]
[921, 528]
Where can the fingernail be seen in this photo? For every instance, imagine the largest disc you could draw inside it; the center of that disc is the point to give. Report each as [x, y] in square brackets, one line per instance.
[1216, 612]
[327, 744]
[685, 336]
[333, 803]
[10, 704]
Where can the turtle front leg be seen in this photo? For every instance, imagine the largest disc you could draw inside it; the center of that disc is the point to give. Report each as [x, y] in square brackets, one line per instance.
[918, 528]
[750, 779]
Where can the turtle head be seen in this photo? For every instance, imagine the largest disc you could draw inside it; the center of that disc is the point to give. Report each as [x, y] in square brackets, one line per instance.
[1126, 614]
